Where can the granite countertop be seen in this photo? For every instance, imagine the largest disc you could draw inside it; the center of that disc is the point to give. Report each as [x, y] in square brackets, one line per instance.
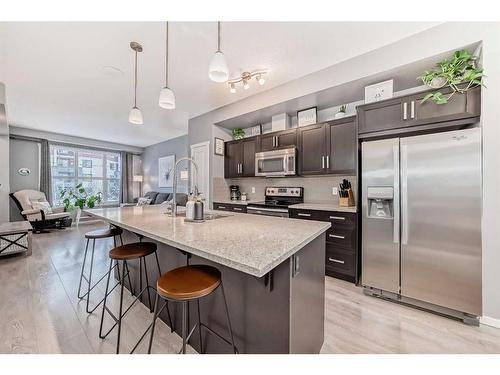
[327, 206]
[239, 241]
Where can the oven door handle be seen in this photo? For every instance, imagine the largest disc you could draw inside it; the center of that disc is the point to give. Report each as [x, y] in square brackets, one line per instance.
[280, 210]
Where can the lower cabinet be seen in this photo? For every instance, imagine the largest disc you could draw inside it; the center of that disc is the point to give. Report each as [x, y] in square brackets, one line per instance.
[230, 207]
[341, 258]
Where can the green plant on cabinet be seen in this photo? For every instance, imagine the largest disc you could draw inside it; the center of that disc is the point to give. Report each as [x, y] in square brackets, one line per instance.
[238, 133]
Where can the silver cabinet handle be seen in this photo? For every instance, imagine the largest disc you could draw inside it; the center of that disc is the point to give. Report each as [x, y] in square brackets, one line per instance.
[277, 142]
[237, 209]
[405, 111]
[337, 236]
[412, 109]
[337, 218]
[336, 260]
[223, 207]
[241, 167]
[306, 215]
[323, 162]
[327, 161]
[274, 141]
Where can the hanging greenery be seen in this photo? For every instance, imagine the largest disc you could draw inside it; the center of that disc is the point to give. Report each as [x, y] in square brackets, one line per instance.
[460, 74]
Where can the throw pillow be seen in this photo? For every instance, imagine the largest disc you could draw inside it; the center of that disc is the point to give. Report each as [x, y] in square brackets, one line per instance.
[44, 206]
[142, 201]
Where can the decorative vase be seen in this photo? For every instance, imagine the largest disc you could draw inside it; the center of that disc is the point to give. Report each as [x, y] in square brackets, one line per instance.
[339, 115]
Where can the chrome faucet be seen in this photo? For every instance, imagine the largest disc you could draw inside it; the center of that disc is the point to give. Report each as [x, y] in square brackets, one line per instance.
[174, 185]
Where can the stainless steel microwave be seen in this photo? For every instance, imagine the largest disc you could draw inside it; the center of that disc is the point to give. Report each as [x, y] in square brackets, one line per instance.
[277, 163]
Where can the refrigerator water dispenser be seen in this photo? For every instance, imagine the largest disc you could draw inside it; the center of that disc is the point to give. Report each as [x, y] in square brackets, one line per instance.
[380, 202]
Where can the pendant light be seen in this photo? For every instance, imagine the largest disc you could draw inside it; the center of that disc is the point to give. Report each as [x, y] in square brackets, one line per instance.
[218, 70]
[167, 97]
[135, 115]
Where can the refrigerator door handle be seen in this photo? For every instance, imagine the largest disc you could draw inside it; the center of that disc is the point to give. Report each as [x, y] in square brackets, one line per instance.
[395, 154]
[404, 194]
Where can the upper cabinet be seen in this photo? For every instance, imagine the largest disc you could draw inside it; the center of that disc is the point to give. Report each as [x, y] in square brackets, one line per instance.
[277, 140]
[393, 115]
[329, 148]
[239, 160]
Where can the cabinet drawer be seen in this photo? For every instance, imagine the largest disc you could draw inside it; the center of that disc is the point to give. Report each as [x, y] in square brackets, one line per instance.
[230, 207]
[337, 218]
[345, 237]
[342, 261]
[305, 214]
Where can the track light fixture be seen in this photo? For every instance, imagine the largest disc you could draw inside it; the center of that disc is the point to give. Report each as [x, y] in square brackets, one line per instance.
[245, 80]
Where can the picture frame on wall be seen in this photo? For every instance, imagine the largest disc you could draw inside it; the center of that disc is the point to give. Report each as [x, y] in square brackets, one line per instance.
[308, 116]
[165, 171]
[379, 91]
[218, 146]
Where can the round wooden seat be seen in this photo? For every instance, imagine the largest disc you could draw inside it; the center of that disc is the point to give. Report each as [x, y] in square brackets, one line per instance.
[103, 233]
[189, 282]
[132, 250]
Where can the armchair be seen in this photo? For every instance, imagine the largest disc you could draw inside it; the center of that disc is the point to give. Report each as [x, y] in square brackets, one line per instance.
[39, 219]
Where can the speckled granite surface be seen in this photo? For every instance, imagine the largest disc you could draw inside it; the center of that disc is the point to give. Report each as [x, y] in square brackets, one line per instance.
[253, 244]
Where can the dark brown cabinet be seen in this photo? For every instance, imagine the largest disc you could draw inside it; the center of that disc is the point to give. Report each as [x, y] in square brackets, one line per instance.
[277, 140]
[329, 148]
[230, 207]
[239, 158]
[341, 258]
[397, 114]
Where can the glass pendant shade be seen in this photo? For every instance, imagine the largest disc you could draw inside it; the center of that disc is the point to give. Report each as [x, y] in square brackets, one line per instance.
[135, 116]
[218, 70]
[167, 98]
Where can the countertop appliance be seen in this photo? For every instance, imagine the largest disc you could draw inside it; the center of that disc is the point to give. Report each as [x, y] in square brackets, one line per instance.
[277, 200]
[234, 192]
[277, 163]
[421, 221]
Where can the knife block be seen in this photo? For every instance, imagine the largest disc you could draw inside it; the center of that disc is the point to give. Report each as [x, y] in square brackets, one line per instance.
[347, 201]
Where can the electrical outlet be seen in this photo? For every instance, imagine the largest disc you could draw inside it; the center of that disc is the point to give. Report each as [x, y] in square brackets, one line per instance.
[335, 190]
[253, 190]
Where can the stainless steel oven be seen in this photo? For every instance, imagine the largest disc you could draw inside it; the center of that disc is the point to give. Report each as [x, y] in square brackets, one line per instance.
[278, 163]
[268, 211]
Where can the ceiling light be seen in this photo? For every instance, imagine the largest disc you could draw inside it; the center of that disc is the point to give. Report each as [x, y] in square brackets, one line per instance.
[167, 97]
[218, 70]
[245, 78]
[135, 115]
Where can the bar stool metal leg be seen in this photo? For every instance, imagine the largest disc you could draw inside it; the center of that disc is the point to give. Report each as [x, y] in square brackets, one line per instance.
[199, 325]
[147, 284]
[83, 269]
[155, 316]
[90, 276]
[184, 326]
[228, 319]
[122, 287]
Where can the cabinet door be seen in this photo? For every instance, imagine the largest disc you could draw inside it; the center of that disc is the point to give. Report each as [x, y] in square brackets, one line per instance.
[286, 138]
[232, 159]
[312, 145]
[267, 142]
[342, 140]
[460, 106]
[247, 162]
[384, 115]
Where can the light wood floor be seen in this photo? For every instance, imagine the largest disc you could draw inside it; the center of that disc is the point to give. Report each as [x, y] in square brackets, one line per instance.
[40, 313]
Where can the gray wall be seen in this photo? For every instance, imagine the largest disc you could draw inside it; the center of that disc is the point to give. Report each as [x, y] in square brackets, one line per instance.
[177, 146]
[432, 42]
[23, 154]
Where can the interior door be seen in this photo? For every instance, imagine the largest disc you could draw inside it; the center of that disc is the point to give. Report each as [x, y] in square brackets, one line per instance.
[380, 251]
[441, 219]
[200, 153]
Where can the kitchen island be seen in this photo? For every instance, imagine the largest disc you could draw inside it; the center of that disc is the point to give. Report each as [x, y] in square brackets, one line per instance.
[272, 269]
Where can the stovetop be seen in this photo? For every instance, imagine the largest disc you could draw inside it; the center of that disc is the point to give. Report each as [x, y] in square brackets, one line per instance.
[281, 197]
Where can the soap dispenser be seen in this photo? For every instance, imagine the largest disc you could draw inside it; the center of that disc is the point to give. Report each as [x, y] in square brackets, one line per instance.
[190, 208]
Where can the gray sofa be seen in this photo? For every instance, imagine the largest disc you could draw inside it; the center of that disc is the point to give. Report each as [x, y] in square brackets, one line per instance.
[158, 198]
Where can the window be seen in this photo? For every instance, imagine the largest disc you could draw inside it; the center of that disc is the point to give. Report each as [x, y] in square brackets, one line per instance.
[97, 171]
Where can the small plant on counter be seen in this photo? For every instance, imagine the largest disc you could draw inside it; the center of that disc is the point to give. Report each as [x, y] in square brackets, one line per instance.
[460, 74]
[238, 133]
[343, 108]
[77, 197]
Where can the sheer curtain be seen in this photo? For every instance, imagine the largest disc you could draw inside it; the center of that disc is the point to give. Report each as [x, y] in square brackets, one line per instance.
[127, 177]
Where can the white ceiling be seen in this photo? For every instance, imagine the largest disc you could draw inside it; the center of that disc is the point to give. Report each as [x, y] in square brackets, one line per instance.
[55, 77]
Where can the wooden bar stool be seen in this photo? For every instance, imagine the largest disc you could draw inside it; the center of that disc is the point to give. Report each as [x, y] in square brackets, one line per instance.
[185, 284]
[95, 235]
[126, 253]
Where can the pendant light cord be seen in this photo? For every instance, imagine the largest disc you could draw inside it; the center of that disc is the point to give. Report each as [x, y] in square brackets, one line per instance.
[166, 57]
[135, 83]
[218, 36]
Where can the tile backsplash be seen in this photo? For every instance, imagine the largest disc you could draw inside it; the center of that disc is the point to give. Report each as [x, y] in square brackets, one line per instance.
[316, 189]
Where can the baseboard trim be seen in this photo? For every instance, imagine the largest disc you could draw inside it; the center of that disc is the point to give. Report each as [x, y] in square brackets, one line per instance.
[492, 322]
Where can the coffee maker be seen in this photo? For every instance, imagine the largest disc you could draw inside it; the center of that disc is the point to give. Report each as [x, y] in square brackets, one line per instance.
[234, 192]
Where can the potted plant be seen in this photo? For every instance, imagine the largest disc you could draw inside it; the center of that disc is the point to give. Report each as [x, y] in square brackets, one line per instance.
[238, 133]
[76, 199]
[460, 74]
[341, 112]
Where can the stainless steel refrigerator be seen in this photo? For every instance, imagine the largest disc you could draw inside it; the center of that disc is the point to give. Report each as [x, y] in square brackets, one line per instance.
[421, 221]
